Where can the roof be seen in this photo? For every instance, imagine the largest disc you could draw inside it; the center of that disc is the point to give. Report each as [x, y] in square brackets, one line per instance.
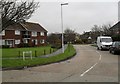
[15, 26]
[33, 27]
[26, 26]
[104, 36]
[116, 26]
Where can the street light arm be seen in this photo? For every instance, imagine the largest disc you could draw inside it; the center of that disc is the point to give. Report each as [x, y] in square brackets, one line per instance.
[64, 4]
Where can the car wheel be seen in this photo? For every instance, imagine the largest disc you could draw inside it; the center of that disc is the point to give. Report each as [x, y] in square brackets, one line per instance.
[110, 51]
[101, 48]
[113, 52]
[98, 48]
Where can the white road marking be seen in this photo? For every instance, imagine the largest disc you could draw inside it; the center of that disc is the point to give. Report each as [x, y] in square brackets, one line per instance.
[92, 66]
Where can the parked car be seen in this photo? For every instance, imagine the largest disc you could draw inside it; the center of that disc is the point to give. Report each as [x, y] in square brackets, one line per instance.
[104, 42]
[115, 48]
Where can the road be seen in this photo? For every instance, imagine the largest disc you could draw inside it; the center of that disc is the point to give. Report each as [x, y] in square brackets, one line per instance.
[89, 65]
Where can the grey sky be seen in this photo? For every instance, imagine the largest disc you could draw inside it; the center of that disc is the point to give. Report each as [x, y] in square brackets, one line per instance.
[80, 16]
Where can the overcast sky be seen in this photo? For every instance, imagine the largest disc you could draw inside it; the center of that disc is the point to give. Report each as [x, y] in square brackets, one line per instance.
[79, 16]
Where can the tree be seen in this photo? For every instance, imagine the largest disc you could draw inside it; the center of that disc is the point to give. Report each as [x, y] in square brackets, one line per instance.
[54, 40]
[16, 12]
[69, 35]
[106, 29]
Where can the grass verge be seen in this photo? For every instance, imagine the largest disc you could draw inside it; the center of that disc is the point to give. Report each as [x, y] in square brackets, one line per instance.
[95, 45]
[19, 63]
[18, 52]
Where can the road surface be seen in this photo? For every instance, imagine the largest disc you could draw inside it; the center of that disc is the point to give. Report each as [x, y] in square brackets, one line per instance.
[89, 65]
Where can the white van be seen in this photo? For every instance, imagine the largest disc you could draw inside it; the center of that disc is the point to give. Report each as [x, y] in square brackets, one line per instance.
[104, 42]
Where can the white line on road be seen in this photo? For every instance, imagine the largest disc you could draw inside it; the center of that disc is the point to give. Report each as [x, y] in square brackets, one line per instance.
[92, 66]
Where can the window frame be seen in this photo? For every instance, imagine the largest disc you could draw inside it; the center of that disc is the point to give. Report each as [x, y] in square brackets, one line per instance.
[34, 33]
[42, 41]
[17, 41]
[17, 32]
[42, 33]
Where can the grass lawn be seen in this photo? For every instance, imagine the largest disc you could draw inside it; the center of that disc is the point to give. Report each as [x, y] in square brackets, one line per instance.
[17, 52]
[69, 52]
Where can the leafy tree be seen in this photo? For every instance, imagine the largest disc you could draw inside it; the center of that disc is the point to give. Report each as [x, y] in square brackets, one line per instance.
[16, 12]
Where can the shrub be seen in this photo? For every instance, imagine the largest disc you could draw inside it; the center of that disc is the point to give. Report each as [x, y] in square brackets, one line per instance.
[5, 46]
[58, 45]
[23, 45]
[116, 38]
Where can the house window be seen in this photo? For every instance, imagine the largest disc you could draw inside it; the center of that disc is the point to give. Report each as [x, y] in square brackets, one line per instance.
[35, 41]
[9, 42]
[17, 41]
[17, 32]
[3, 42]
[2, 33]
[42, 33]
[42, 41]
[25, 41]
[34, 33]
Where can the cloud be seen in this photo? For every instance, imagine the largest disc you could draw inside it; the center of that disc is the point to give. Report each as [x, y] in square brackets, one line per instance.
[80, 16]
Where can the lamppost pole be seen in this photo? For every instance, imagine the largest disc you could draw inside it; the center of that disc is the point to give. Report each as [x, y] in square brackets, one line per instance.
[62, 27]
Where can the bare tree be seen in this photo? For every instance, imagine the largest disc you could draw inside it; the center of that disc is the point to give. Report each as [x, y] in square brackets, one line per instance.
[70, 35]
[54, 40]
[16, 12]
[106, 29]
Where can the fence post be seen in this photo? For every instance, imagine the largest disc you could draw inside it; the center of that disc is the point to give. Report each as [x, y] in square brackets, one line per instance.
[69, 47]
[53, 49]
[50, 50]
[19, 53]
[35, 53]
[44, 52]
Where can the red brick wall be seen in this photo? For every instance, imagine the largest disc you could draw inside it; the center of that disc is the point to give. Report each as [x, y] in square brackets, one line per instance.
[10, 34]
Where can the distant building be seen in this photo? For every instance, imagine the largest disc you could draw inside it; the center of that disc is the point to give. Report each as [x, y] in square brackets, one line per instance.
[115, 29]
[17, 34]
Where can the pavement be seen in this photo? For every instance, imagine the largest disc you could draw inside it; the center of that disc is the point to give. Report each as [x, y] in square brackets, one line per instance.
[89, 65]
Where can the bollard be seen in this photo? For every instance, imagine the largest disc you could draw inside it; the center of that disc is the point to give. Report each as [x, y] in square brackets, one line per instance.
[19, 53]
[50, 50]
[69, 47]
[53, 49]
[35, 53]
[44, 52]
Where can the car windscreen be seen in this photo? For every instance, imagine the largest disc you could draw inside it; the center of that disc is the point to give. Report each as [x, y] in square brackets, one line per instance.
[117, 44]
[106, 40]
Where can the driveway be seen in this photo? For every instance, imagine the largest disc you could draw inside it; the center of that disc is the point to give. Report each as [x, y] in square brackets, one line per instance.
[89, 65]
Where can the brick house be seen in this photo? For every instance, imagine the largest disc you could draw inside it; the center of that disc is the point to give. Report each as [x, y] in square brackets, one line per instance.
[32, 34]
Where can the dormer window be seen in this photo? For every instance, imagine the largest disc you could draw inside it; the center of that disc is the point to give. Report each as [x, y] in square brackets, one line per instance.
[17, 32]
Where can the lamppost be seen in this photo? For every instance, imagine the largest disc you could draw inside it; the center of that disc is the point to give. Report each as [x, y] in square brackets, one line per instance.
[62, 27]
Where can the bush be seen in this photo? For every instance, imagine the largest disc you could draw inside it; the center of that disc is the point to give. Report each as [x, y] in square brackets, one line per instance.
[23, 45]
[78, 41]
[26, 45]
[58, 46]
[5, 46]
[116, 38]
